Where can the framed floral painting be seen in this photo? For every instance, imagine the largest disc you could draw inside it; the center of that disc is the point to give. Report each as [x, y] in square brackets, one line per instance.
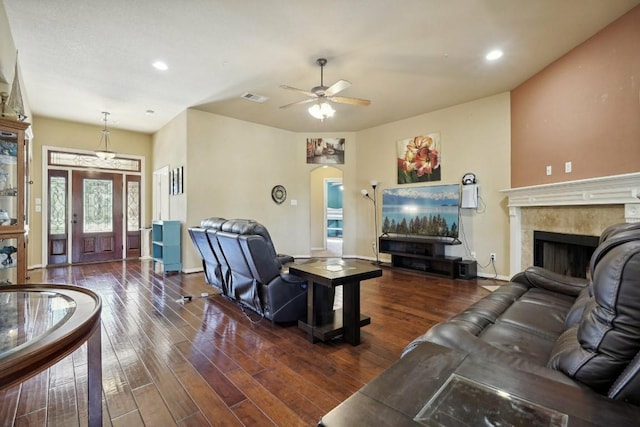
[419, 159]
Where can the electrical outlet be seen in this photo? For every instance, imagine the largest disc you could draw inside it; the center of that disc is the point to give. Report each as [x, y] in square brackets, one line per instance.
[492, 256]
[567, 167]
[548, 170]
[473, 255]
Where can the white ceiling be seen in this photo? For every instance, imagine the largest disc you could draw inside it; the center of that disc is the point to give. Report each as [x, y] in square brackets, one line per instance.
[81, 57]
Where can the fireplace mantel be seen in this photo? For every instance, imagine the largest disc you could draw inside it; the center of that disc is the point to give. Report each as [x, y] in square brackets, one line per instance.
[609, 190]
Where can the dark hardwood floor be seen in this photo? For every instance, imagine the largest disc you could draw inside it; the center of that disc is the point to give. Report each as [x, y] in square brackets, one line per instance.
[205, 362]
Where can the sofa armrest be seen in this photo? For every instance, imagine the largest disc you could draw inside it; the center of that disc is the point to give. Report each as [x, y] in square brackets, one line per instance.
[284, 259]
[538, 277]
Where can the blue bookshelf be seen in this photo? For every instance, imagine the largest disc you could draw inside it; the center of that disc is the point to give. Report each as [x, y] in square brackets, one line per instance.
[165, 242]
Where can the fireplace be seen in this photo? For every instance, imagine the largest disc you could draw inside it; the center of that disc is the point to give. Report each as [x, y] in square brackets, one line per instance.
[563, 253]
[582, 207]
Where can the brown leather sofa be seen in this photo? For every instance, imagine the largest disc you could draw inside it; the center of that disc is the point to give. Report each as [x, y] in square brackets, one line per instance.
[585, 333]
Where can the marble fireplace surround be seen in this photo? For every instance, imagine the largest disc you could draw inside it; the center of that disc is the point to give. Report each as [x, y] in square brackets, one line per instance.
[584, 206]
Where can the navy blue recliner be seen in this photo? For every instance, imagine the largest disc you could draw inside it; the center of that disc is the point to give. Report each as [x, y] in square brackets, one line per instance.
[239, 258]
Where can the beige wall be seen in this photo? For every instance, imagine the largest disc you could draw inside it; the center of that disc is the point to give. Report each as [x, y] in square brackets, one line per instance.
[170, 149]
[583, 108]
[60, 133]
[232, 167]
[475, 138]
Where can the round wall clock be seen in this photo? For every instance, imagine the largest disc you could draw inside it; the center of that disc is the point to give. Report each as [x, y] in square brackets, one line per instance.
[279, 194]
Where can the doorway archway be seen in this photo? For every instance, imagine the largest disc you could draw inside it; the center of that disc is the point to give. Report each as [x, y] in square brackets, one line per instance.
[326, 212]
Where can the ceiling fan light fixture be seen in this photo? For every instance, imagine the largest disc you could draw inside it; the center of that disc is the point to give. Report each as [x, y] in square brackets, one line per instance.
[322, 111]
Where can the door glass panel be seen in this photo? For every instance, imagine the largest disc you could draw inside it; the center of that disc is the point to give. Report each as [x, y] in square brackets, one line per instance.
[133, 206]
[57, 205]
[58, 158]
[98, 206]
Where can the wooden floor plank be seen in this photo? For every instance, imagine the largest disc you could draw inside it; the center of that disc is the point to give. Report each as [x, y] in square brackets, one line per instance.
[33, 396]
[251, 415]
[212, 407]
[9, 404]
[272, 407]
[131, 419]
[32, 419]
[153, 409]
[207, 362]
[116, 388]
[230, 394]
[175, 396]
[62, 409]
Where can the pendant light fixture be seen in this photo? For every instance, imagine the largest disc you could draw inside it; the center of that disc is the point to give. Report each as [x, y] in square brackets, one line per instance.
[105, 154]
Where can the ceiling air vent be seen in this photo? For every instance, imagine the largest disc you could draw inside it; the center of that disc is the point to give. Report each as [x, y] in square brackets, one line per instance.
[253, 97]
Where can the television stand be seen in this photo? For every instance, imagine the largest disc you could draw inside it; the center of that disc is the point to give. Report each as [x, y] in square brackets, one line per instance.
[420, 253]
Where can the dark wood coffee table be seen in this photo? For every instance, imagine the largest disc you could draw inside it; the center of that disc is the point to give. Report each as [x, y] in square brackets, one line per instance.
[332, 273]
[434, 385]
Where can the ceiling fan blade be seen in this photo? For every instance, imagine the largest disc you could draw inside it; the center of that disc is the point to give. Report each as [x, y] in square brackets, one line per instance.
[338, 86]
[304, 101]
[306, 92]
[344, 100]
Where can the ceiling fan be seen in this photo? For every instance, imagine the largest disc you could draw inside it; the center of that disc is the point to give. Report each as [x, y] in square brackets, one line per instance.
[322, 93]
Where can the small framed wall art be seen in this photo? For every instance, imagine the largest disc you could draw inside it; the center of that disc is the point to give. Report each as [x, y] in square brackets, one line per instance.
[176, 181]
[325, 150]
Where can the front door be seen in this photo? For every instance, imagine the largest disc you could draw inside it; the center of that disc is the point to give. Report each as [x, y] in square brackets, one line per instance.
[96, 216]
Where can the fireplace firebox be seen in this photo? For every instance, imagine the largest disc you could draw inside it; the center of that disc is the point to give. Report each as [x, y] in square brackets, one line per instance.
[567, 254]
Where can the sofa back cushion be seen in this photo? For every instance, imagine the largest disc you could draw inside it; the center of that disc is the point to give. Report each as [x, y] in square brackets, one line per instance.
[214, 222]
[262, 264]
[210, 261]
[597, 349]
[614, 229]
[247, 227]
[241, 285]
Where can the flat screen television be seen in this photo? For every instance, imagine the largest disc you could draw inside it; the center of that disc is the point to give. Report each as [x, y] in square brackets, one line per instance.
[427, 211]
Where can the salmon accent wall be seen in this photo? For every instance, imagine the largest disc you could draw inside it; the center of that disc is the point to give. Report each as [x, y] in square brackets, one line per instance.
[584, 108]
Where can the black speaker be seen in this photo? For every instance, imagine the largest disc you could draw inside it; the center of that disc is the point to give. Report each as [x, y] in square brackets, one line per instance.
[467, 269]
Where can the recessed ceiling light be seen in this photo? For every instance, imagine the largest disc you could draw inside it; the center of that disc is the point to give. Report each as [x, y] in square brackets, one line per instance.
[160, 65]
[494, 54]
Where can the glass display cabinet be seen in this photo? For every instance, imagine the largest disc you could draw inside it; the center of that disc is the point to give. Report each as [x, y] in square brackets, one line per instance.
[13, 218]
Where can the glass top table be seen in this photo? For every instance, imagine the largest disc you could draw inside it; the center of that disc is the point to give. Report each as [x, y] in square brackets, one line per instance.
[42, 324]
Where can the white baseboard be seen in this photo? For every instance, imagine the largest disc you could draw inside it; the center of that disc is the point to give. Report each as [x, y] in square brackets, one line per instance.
[493, 276]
